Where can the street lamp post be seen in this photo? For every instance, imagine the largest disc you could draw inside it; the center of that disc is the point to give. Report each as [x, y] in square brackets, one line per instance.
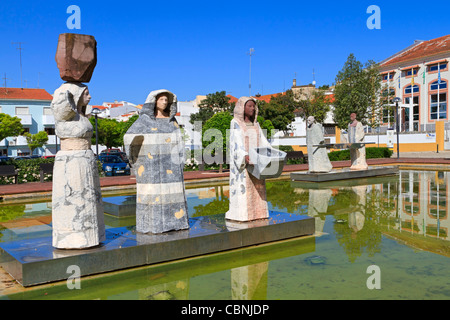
[397, 100]
[95, 112]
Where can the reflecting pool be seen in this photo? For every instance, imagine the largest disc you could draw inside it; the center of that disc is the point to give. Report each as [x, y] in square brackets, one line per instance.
[399, 223]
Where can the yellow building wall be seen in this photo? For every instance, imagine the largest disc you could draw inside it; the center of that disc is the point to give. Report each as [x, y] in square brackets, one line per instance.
[404, 147]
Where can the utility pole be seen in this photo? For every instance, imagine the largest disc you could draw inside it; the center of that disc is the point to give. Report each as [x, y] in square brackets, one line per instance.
[20, 56]
[250, 53]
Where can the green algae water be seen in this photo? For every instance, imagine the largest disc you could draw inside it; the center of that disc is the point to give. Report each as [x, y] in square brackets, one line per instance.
[398, 223]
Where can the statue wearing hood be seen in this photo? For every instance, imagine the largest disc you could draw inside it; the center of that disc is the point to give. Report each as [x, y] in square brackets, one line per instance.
[318, 160]
[247, 193]
[155, 149]
[77, 207]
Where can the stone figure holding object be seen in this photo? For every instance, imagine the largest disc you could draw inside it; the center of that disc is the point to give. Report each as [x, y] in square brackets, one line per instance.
[77, 207]
[356, 135]
[155, 147]
[318, 160]
[247, 194]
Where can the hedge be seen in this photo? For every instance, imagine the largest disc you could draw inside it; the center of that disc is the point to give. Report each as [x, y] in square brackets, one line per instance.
[28, 170]
[371, 153]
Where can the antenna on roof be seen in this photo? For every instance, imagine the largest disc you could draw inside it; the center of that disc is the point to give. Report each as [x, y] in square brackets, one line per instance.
[20, 56]
[5, 86]
[314, 78]
[250, 53]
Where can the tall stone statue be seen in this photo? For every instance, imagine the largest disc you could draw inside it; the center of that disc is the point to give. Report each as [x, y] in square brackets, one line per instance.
[356, 135]
[247, 193]
[77, 207]
[318, 160]
[155, 147]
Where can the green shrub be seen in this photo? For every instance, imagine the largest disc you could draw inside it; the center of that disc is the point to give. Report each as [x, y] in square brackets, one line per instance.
[28, 170]
[371, 153]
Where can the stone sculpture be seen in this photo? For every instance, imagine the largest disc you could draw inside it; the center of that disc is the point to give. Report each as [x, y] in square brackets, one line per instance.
[77, 207]
[76, 57]
[155, 148]
[318, 160]
[357, 152]
[247, 193]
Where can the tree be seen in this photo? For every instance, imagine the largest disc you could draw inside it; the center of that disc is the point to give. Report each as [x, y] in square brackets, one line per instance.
[37, 140]
[266, 126]
[357, 89]
[215, 136]
[212, 104]
[316, 105]
[9, 126]
[110, 132]
[280, 110]
[218, 102]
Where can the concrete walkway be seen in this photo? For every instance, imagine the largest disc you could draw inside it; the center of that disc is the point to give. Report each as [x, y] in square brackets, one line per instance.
[440, 155]
[196, 178]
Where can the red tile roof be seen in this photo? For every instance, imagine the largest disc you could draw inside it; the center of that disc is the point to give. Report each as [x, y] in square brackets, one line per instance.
[24, 94]
[421, 50]
[232, 99]
[115, 105]
[100, 107]
[267, 97]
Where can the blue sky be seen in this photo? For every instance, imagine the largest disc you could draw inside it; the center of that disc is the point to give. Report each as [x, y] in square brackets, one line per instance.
[199, 47]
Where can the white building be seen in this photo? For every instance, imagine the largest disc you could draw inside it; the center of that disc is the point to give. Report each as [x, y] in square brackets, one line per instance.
[419, 76]
[32, 106]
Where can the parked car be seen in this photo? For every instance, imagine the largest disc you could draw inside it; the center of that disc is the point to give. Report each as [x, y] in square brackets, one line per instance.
[113, 165]
[114, 152]
[22, 158]
[110, 151]
[4, 158]
[48, 157]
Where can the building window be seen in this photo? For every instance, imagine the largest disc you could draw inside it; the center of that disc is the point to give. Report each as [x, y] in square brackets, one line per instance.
[415, 89]
[50, 131]
[387, 76]
[436, 67]
[387, 98]
[48, 111]
[438, 100]
[22, 110]
[408, 73]
[416, 111]
[435, 85]
[438, 108]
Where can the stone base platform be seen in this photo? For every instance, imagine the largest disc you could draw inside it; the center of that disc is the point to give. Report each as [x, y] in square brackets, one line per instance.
[120, 206]
[343, 174]
[35, 261]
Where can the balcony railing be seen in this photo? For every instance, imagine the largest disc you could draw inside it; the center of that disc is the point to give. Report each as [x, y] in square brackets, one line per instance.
[26, 119]
[48, 120]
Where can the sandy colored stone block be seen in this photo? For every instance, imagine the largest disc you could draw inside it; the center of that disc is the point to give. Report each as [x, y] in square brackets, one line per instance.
[76, 57]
